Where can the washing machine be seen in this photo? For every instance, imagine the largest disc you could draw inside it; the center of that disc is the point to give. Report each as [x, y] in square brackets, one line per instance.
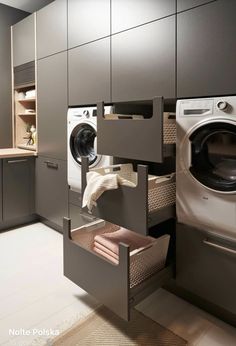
[206, 164]
[81, 141]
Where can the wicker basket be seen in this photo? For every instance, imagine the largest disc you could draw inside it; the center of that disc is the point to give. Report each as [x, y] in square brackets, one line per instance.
[161, 189]
[169, 128]
[143, 264]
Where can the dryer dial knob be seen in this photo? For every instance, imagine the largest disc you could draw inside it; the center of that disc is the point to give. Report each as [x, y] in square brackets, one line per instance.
[222, 105]
[86, 113]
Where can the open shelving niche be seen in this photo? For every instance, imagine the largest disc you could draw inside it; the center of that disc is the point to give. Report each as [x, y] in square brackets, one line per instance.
[25, 115]
[126, 207]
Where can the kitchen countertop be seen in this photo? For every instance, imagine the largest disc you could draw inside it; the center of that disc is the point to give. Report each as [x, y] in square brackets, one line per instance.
[15, 152]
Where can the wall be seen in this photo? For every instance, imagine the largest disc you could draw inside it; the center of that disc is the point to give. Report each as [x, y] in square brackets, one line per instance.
[8, 17]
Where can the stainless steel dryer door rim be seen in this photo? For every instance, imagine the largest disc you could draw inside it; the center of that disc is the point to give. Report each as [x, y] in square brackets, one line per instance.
[215, 171]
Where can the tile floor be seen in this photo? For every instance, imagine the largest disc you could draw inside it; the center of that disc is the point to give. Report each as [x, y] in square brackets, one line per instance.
[36, 296]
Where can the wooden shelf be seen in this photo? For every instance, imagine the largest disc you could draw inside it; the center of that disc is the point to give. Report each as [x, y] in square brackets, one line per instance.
[27, 100]
[22, 114]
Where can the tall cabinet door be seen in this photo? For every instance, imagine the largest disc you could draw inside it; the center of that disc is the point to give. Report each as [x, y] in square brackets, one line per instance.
[87, 21]
[52, 29]
[127, 14]
[23, 41]
[143, 61]
[89, 73]
[206, 50]
[52, 106]
[183, 5]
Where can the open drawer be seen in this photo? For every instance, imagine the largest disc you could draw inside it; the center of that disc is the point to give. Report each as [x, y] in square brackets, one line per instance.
[140, 132]
[149, 202]
[121, 286]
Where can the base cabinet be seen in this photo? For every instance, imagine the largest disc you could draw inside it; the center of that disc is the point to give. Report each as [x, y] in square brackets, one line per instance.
[18, 188]
[78, 217]
[51, 190]
[206, 266]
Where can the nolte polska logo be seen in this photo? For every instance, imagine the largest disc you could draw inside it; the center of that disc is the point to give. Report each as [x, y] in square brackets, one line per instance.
[34, 331]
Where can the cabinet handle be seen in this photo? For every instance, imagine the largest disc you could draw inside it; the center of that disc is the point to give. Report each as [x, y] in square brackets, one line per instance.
[51, 164]
[219, 247]
[16, 161]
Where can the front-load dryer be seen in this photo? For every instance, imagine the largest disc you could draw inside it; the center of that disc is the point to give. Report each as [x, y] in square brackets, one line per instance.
[81, 141]
[206, 164]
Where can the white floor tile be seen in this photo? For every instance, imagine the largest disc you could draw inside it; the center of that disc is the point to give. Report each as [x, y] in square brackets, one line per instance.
[35, 294]
[191, 323]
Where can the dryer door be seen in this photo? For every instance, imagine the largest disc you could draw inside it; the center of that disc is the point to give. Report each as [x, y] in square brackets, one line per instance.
[83, 143]
[213, 156]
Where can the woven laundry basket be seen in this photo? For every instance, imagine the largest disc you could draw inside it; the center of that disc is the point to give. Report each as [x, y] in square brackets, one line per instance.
[169, 128]
[143, 264]
[161, 189]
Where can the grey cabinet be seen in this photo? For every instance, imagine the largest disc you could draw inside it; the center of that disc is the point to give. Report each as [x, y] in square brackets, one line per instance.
[23, 41]
[52, 106]
[51, 189]
[143, 61]
[206, 266]
[127, 14]
[87, 21]
[183, 5]
[89, 73]
[52, 29]
[78, 217]
[206, 50]
[18, 188]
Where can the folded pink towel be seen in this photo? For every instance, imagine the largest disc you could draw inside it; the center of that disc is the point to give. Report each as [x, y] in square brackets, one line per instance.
[111, 240]
[106, 255]
[106, 250]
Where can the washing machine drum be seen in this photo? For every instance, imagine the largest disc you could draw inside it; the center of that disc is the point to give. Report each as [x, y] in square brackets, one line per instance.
[83, 143]
[213, 149]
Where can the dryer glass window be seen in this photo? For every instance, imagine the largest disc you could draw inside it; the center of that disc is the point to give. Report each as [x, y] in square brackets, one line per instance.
[214, 156]
[82, 143]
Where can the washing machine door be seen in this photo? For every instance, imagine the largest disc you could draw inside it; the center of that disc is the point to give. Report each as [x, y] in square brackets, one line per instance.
[213, 156]
[83, 143]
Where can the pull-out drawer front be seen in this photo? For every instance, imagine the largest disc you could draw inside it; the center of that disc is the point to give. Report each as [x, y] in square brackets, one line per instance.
[133, 207]
[116, 286]
[137, 139]
[206, 266]
[51, 189]
[133, 139]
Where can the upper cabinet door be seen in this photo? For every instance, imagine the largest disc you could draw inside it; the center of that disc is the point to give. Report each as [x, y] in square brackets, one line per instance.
[206, 50]
[88, 20]
[183, 5]
[127, 14]
[23, 35]
[143, 62]
[52, 29]
[89, 73]
[52, 105]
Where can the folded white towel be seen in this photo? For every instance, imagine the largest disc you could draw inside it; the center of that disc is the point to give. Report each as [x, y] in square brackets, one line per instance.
[98, 183]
